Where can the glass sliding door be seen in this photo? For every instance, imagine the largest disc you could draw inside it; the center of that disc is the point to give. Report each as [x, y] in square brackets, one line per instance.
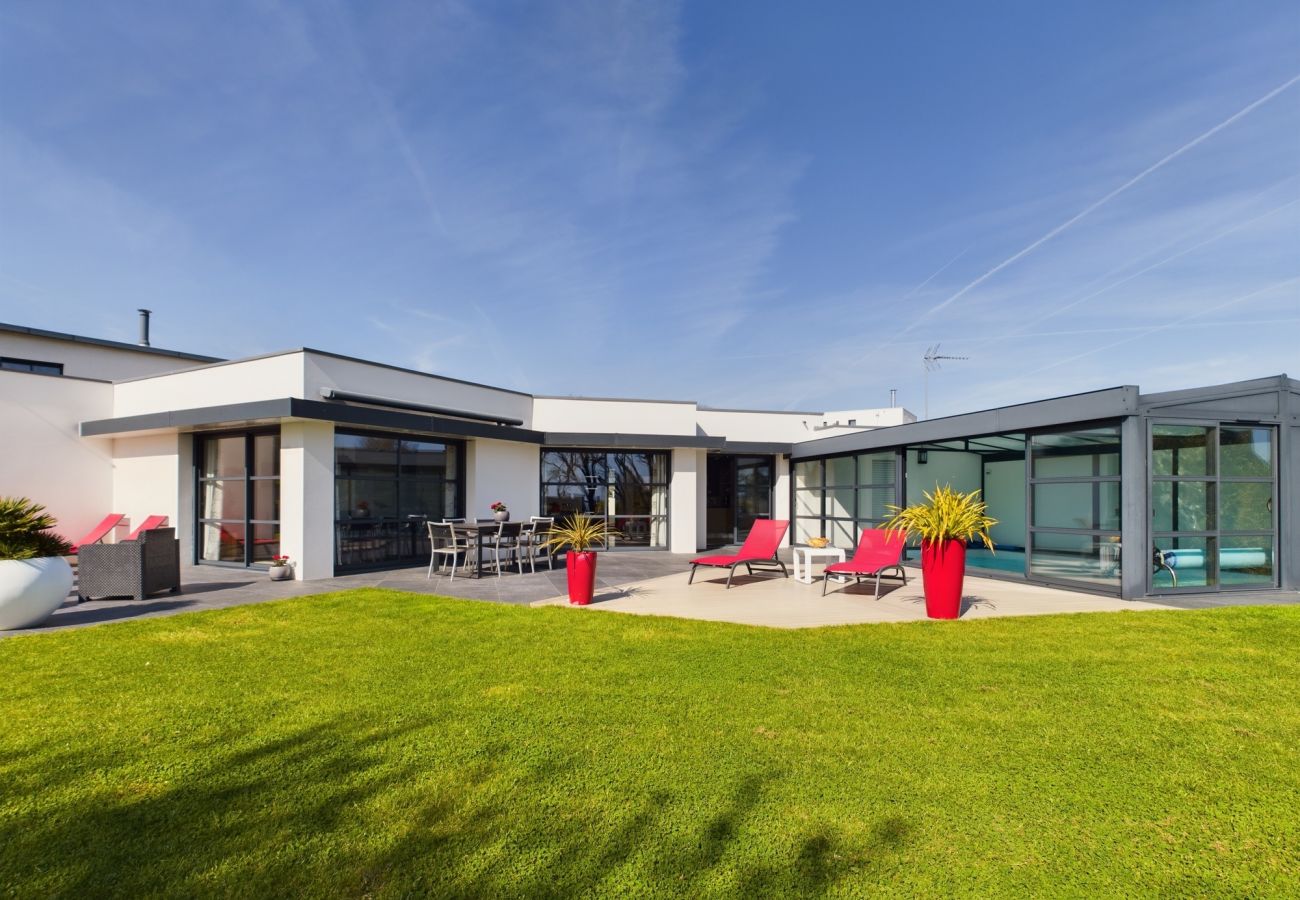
[738, 491]
[627, 488]
[1074, 501]
[386, 487]
[839, 496]
[238, 498]
[1213, 506]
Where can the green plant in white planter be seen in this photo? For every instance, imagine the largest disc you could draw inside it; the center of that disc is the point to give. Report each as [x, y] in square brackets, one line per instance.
[34, 576]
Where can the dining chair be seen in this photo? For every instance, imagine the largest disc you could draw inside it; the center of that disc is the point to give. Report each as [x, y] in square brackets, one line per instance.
[537, 536]
[494, 542]
[446, 542]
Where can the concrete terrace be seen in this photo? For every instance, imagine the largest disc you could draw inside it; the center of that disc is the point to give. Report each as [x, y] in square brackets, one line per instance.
[644, 583]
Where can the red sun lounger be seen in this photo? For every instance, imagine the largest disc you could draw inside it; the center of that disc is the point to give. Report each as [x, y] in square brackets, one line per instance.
[148, 524]
[759, 549]
[99, 532]
[879, 549]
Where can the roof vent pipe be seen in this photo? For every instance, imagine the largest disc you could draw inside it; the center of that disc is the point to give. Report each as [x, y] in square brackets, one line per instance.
[144, 328]
[893, 397]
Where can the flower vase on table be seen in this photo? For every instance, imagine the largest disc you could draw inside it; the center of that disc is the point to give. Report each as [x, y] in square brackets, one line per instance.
[500, 512]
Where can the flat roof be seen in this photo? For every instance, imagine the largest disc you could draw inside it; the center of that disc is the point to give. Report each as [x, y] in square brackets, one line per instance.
[101, 342]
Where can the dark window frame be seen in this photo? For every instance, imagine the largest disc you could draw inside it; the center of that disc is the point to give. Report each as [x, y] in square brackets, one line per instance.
[32, 366]
[249, 480]
[607, 452]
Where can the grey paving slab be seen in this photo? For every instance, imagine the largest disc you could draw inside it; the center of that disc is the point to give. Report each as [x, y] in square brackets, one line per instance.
[217, 587]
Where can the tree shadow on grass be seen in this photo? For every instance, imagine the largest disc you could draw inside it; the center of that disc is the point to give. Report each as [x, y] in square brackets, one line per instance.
[356, 807]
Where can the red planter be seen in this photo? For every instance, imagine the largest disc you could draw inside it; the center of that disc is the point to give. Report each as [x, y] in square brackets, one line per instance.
[582, 576]
[943, 567]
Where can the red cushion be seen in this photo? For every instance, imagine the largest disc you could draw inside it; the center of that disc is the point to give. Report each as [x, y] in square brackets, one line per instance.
[860, 566]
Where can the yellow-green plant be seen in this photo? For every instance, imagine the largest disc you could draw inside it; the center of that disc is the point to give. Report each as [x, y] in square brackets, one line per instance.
[580, 533]
[26, 531]
[945, 515]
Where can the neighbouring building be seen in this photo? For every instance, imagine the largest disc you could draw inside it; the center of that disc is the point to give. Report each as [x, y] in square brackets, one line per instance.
[338, 463]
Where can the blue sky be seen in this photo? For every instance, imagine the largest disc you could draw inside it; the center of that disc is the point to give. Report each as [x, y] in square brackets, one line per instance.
[746, 204]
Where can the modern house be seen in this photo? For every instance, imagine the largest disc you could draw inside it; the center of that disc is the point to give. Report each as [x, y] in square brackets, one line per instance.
[338, 463]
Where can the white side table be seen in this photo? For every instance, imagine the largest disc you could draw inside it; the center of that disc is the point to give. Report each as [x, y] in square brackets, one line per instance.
[806, 555]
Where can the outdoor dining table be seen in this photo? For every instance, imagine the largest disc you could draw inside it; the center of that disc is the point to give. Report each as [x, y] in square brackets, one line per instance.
[510, 529]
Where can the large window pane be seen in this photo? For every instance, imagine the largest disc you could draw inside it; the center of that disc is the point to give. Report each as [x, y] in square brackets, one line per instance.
[1246, 506]
[221, 541]
[223, 457]
[223, 499]
[1081, 504]
[1073, 454]
[1075, 557]
[1185, 562]
[1246, 560]
[1246, 451]
[1181, 450]
[266, 499]
[365, 498]
[266, 454]
[841, 471]
[266, 542]
[808, 474]
[808, 504]
[1182, 506]
[839, 503]
[873, 503]
[356, 454]
[876, 468]
[427, 459]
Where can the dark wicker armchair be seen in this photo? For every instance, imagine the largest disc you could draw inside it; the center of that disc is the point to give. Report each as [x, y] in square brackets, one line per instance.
[146, 565]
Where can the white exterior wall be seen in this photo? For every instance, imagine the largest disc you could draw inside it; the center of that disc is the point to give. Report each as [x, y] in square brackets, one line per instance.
[147, 479]
[82, 359]
[266, 378]
[323, 371]
[505, 471]
[740, 425]
[684, 489]
[307, 497]
[42, 456]
[613, 416]
[701, 499]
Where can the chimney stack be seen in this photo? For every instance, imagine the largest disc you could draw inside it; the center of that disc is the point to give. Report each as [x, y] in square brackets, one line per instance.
[144, 328]
[893, 397]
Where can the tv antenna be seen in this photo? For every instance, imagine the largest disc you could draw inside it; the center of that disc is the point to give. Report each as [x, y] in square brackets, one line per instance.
[931, 360]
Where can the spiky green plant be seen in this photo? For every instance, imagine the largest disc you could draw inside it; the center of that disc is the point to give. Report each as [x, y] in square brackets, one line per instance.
[580, 533]
[26, 531]
[946, 515]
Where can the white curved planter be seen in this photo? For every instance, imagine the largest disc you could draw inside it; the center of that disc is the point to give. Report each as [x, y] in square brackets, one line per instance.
[31, 589]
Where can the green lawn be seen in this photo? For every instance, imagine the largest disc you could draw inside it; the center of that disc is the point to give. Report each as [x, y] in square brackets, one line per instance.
[388, 744]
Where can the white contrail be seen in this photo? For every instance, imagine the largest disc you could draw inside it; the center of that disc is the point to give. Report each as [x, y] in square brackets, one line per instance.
[1168, 325]
[935, 274]
[1104, 200]
[1155, 265]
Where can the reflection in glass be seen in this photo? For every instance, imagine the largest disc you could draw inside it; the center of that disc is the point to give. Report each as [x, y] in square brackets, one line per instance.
[1181, 450]
[366, 455]
[222, 499]
[1246, 560]
[876, 468]
[1246, 452]
[808, 504]
[221, 541]
[1077, 504]
[1182, 505]
[808, 474]
[266, 542]
[1246, 506]
[873, 504]
[266, 454]
[223, 457]
[841, 471]
[1077, 557]
[266, 499]
[1184, 562]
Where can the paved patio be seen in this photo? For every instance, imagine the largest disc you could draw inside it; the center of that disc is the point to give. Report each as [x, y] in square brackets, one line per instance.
[217, 587]
[643, 583]
[785, 603]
